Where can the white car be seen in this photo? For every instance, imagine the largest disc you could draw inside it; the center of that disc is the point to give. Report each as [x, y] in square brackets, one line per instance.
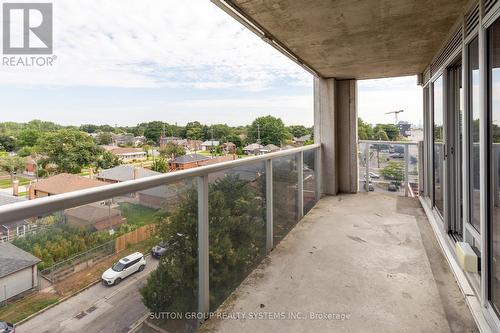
[123, 268]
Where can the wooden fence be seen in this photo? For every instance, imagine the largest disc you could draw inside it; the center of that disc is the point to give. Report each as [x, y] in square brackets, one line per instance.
[134, 237]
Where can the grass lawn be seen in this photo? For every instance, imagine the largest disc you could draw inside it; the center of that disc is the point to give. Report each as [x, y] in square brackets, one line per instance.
[137, 214]
[6, 183]
[20, 309]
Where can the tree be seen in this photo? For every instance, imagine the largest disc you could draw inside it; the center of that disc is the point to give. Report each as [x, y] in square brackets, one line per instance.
[381, 135]
[104, 138]
[391, 130]
[160, 165]
[69, 150]
[298, 130]
[12, 164]
[28, 137]
[172, 150]
[393, 171]
[365, 130]
[153, 130]
[272, 130]
[107, 160]
[194, 131]
[237, 243]
[8, 143]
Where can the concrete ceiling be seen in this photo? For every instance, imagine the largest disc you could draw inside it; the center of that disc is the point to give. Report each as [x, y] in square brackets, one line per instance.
[358, 39]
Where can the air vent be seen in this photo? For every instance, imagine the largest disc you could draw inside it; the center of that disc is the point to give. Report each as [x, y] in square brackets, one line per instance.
[471, 20]
[488, 5]
[454, 43]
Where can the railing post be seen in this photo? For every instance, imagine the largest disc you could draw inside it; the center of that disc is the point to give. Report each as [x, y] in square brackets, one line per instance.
[367, 167]
[203, 250]
[269, 206]
[317, 174]
[406, 170]
[300, 167]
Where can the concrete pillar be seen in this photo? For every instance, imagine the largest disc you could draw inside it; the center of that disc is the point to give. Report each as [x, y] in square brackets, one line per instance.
[347, 135]
[335, 127]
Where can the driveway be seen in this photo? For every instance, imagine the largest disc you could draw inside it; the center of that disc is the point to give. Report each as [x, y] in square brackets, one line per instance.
[97, 309]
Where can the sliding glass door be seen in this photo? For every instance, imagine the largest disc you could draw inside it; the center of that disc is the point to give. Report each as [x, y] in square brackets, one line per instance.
[438, 144]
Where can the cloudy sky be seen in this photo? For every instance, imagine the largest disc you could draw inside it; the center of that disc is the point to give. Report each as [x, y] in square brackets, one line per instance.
[124, 62]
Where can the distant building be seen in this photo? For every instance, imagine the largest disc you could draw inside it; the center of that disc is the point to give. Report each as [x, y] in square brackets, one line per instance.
[302, 140]
[186, 162]
[123, 173]
[253, 149]
[164, 140]
[270, 148]
[228, 147]
[62, 183]
[404, 128]
[14, 229]
[18, 271]
[94, 217]
[129, 154]
[209, 144]
[123, 139]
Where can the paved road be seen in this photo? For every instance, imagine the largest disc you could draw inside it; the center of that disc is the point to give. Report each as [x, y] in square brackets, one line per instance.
[103, 309]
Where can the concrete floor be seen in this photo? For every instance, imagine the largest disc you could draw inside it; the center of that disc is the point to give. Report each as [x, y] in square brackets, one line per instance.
[369, 261]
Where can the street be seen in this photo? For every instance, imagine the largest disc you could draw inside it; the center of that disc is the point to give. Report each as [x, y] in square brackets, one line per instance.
[99, 309]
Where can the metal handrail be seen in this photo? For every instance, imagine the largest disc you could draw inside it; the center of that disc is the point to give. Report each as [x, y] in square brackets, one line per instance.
[389, 142]
[26, 209]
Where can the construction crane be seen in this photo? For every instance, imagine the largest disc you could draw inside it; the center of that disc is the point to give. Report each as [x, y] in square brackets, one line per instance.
[395, 114]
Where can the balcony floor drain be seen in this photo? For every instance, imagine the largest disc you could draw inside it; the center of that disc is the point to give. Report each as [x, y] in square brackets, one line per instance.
[80, 315]
[91, 309]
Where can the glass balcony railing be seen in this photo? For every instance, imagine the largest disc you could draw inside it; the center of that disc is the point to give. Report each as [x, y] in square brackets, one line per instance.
[389, 167]
[202, 230]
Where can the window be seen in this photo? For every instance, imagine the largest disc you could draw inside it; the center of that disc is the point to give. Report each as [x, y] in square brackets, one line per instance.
[473, 68]
[438, 141]
[494, 159]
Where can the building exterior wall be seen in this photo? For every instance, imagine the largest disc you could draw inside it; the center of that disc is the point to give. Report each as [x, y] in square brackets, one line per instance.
[16, 283]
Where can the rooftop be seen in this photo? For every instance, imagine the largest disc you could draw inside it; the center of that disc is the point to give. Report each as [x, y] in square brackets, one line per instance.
[189, 158]
[7, 199]
[126, 150]
[92, 212]
[13, 259]
[393, 274]
[65, 182]
[123, 173]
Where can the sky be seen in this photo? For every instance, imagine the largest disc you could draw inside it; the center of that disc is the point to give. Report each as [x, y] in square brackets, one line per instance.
[124, 62]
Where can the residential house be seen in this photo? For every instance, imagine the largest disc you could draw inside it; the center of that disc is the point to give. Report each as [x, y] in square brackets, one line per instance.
[270, 148]
[123, 139]
[94, 217]
[228, 148]
[209, 144]
[253, 149]
[217, 159]
[62, 183]
[164, 140]
[18, 271]
[303, 139]
[123, 173]
[12, 230]
[128, 155]
[186, 162]
[159, 197]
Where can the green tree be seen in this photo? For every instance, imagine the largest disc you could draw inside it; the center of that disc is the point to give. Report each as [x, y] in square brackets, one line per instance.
[160, 165]
[298, 130]
[393, 171]
[272, 130]
[237, 244]
[365, 130]
[172, 150]
[8, 143]
[194, 131]
[12, 165]
[391, 130]
[28, 137]
[104, 138]
[107, 160]
[381, 135]
[69, 150]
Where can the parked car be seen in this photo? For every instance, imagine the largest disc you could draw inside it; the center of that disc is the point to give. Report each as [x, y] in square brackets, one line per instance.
[374, 175]
[392, 187]
[397, 155]
[124, 267]
[159, 250]
[7, 327]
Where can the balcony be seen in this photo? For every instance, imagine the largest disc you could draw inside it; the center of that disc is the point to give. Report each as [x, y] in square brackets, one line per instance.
[249, 237]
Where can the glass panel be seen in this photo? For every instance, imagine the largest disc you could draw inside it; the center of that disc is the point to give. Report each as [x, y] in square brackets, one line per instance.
[285, 196]
[438, 144]
[309, 180]
[387, 168]
[413, 176]
[362, 166]
[474, 133]
[82, 245]
[494, 128]
[237, 227]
